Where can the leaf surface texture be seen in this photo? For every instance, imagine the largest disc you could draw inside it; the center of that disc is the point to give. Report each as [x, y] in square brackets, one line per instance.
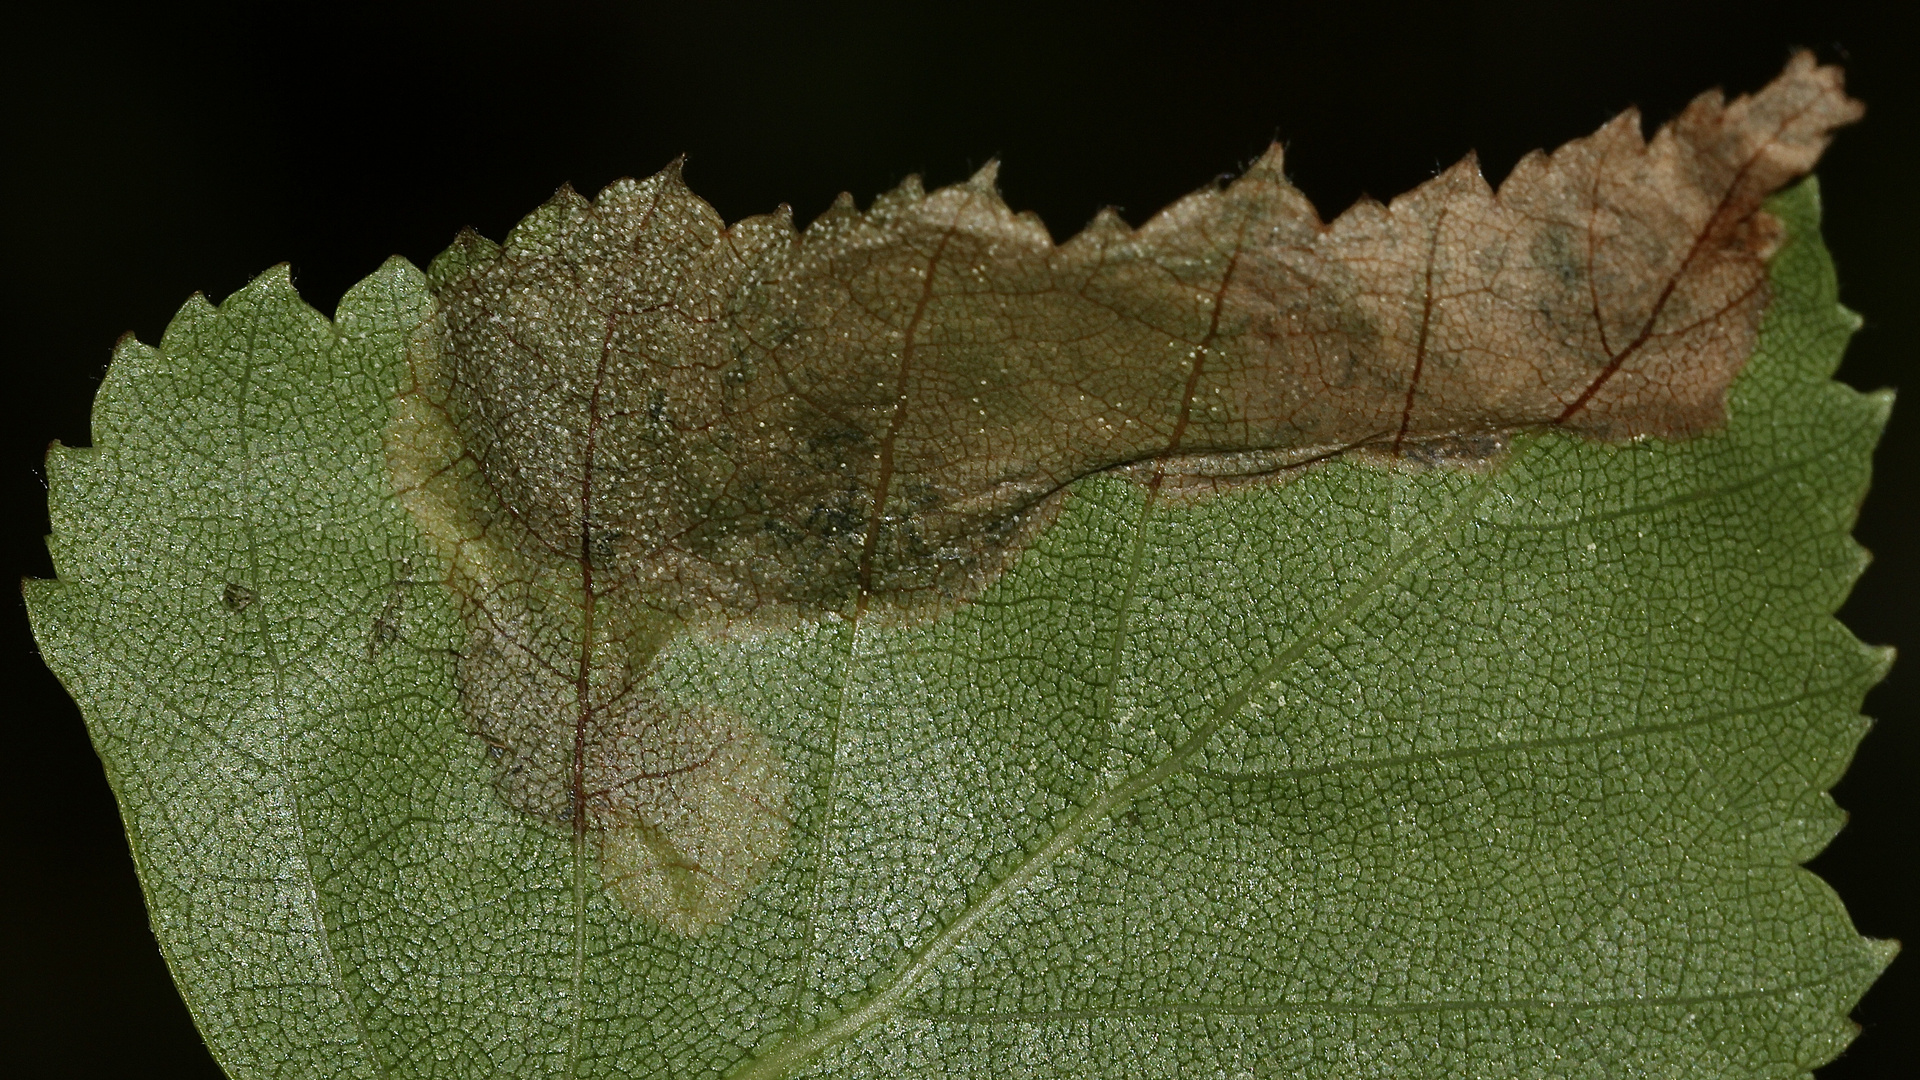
[1483, 737]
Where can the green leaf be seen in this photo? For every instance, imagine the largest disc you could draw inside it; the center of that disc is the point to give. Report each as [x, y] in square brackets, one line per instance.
[1387, 770]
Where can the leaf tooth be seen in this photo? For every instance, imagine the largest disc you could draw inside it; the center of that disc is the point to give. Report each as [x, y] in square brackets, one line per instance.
[672, 174]
[839, 215]
[1862, 558]
[1460, 181]
[377, 301]
[271, 294]
[133, 360]
[1365, 213]
[1269, 167]
[65, 462]
[195, 317]
[277, 278]
[468, 251]
[72, 473]
[1527, 172]
[1627, 129]
[43, 593]
[1882, 658]
[272, 287]
[535, 233]
[132, 351]
[1880, 952]
[771, 228]
[986, 178]
[905, 195]
[1031, 224]
[1107, 228]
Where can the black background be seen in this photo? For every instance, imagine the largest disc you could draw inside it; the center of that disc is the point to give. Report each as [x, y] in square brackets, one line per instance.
[188, 148]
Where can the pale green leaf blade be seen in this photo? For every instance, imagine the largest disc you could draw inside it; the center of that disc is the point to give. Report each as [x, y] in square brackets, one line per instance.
[210, 545]
[1378, 772]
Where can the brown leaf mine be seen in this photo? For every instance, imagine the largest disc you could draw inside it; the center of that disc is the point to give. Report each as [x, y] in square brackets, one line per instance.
[632, 420]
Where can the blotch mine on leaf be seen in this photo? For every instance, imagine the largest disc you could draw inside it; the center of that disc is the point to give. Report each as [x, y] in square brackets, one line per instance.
[631, 420]
[687, 805]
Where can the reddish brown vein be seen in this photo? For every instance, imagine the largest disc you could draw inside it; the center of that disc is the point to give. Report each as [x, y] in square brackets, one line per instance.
[870, 543]
[1426, 322]
[1659, 305]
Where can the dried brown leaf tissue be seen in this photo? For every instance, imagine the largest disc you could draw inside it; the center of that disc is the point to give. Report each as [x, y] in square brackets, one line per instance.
[633, 421]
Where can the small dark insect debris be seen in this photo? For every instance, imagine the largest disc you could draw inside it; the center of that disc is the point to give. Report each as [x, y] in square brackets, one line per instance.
[386, 625]
[236, 596]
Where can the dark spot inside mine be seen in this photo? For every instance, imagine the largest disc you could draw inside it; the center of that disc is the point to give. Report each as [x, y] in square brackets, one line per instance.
[1558, 253]
[780, 532]
[829, 521]
[835, 449]
[604, 543]
[236, 596]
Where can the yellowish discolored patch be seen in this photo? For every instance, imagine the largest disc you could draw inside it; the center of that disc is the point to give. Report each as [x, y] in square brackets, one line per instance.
[686, 804]
[693, 844]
